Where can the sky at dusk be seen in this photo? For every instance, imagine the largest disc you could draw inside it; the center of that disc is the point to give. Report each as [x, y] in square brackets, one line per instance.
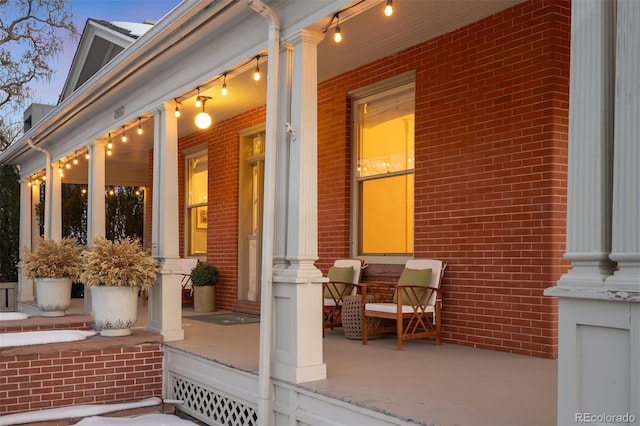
[106, 10]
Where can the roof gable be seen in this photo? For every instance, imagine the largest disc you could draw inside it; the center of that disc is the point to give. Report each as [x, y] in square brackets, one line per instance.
[101, 41]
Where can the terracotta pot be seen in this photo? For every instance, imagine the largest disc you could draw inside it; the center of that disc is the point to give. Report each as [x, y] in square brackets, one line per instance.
[204, 298]
[115, 309]
[54, 296]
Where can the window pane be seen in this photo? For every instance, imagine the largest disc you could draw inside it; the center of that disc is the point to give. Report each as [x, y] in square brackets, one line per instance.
[197, 184]
[386, 140]
[387, 215]
[198, 230]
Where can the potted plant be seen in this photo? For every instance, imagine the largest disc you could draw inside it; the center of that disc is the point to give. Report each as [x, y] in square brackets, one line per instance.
[116, 271]
[53, 265]
[204, 278]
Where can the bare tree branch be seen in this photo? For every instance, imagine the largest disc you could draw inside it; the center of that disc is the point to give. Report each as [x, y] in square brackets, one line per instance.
[31, 35]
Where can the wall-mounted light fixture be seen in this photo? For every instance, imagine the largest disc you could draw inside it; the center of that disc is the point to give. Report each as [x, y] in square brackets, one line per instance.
[203, 120]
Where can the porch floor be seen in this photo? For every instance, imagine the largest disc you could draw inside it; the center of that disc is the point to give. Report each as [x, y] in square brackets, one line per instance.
[446, 385]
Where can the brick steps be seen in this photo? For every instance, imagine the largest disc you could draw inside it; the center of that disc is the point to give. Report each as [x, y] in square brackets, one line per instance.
[97, 370]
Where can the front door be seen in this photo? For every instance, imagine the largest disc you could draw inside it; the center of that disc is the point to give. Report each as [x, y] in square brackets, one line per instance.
[250, 221]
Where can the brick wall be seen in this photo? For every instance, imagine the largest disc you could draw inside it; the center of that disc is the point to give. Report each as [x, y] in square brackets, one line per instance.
[95, 371]
[491, 166]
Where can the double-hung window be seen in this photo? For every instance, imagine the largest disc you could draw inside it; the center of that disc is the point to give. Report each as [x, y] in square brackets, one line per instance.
[383, 210]
[196, 204]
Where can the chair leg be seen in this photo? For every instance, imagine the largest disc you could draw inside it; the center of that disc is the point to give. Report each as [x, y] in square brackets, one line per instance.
[399, 330]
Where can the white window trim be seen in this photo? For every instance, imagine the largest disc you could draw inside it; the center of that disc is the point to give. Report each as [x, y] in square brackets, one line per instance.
[398, 83]
[189, 154]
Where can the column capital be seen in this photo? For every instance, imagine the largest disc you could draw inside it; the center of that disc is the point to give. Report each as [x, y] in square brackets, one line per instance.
[97, 144]
[306, 36]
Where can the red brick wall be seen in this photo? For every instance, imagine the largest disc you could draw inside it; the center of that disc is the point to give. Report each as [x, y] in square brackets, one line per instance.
[491, 165]
[223, 142]
[48, 376]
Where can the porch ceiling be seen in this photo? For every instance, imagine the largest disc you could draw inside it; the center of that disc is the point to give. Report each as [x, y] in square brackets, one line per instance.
[368, 35]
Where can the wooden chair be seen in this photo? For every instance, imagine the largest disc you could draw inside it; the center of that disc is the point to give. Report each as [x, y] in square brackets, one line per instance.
[187, 265]
[344, 277]
[416, 305]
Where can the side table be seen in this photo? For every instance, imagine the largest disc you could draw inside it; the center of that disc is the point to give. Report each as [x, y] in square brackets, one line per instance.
[352, 317]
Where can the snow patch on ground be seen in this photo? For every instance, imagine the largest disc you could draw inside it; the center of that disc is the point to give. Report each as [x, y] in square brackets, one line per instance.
[91, 413]
[146, 420]
[11, 316]
[25, 338]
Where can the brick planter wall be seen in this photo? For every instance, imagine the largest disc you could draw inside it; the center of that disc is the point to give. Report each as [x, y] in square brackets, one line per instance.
[97, 370]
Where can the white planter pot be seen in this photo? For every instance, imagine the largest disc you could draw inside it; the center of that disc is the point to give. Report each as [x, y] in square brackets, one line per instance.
[54, 296]
[115, 309]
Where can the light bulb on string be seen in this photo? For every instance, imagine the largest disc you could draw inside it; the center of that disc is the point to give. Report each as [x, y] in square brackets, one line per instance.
[223, 91]
[124, 135]
[139, 131]
[337, 37]
[177, 111]
[198, 100]
[388, 9]
[256, 72]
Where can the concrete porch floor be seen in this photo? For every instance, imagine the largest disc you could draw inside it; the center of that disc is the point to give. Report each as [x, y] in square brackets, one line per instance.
[446, 385]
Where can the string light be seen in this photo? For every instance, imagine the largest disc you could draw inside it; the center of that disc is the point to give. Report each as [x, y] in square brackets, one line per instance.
[177, 112]
[109, 143]
[388, 9]
[224, 85]
[139, 125]
[198, 101]
[337, 37]
[256, 72]
[124, 135]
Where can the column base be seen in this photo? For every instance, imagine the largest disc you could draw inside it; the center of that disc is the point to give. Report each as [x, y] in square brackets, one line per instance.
[598, 355]
[296, 374]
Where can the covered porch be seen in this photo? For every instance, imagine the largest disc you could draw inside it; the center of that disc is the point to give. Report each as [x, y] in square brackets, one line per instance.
[376, 384]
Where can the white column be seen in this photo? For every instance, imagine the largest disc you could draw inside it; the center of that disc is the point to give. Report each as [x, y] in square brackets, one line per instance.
[96, 217]
[297, 346]
[28, 193]
[55, 200]
[598, 325]
[625, 242]
[282, 159]
[591, 101]
[165, 301]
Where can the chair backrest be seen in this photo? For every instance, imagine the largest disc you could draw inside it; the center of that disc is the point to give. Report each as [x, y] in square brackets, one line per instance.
[187, 264]
[436, 267]
[356, 264]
